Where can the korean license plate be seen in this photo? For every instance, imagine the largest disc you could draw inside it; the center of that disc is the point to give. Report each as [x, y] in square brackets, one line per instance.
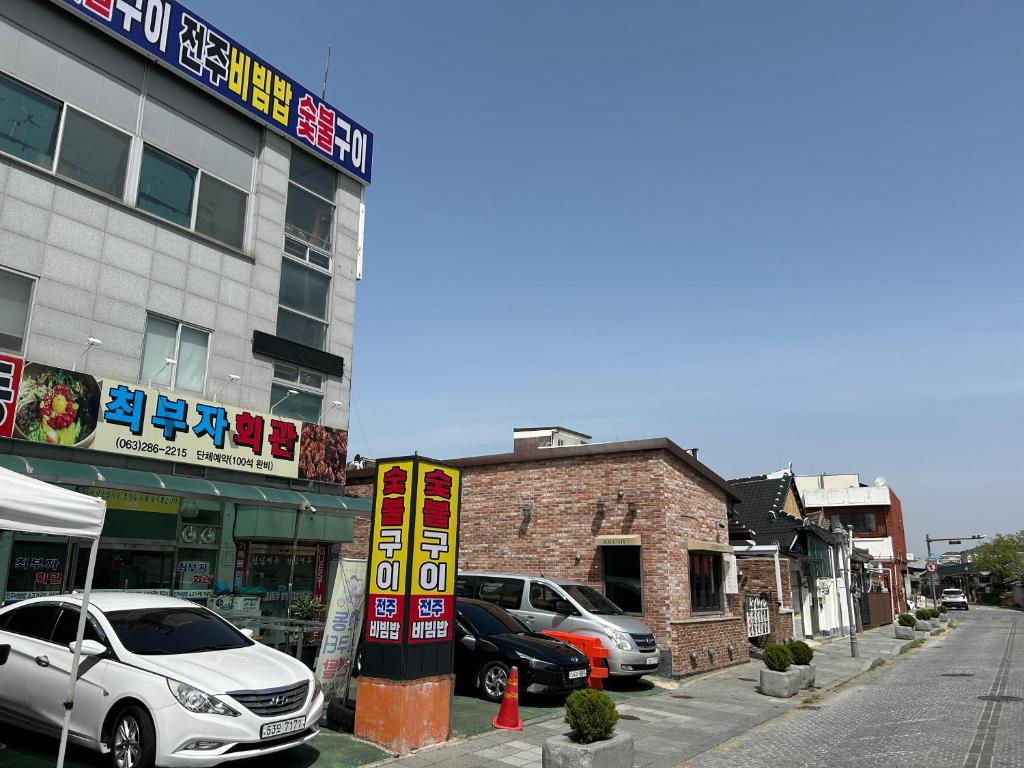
[576, 674]
[653, 659]
[282, 728]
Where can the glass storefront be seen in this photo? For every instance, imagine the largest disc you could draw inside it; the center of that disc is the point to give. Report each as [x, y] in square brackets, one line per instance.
[38, 566]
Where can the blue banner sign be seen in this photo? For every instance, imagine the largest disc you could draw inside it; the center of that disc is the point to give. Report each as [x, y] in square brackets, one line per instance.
[186, 43]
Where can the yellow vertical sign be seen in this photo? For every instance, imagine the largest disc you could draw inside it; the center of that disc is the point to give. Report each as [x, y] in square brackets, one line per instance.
[392, 511]
[435, 546]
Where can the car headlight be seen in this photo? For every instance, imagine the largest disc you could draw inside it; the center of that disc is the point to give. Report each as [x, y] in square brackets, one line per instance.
[535, 663]
[620, 639]
[195, 700]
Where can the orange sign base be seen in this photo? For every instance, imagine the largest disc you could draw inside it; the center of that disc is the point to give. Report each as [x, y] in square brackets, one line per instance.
[403, 715]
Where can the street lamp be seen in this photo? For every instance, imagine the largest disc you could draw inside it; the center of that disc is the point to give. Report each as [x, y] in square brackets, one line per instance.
[92, 343]
[290, 393]
[231, 377]
[951, 539]
[167, 361]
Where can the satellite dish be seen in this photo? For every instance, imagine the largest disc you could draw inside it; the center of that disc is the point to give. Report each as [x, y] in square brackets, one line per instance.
[879, 481]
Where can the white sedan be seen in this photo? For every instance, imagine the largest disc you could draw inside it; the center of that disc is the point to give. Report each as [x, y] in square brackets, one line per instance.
[162, 681]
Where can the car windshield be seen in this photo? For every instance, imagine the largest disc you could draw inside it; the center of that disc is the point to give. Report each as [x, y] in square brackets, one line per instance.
[162, 631]
[491, 620]
[592, 600]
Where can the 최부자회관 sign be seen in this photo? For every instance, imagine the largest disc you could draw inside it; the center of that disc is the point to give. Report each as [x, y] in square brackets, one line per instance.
[187, 44]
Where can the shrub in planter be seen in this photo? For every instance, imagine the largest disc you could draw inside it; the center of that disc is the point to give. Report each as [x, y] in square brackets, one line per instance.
[943, 609]
[801, 652]
[923, 614]
[777, 657]
[935, 613]
[591, 715]
[907, 620]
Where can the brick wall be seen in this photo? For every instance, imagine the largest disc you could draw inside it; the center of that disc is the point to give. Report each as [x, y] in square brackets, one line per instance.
[672, 504]
[759, 577]
[359, 547]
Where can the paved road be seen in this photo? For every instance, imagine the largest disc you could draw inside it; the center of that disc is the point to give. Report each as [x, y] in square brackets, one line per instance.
[920, 711]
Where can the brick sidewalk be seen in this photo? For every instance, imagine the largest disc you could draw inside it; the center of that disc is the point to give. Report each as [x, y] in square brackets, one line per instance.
[675, 726]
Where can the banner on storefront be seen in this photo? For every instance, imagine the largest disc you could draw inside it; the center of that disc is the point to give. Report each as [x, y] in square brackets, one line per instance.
[10, 377]
[184, 42]
[56, 406]
[412, 568]
[134, 501]
[343, 618]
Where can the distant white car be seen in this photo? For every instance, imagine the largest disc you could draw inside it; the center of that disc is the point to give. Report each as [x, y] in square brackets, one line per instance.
[954, 598]
[161, 682]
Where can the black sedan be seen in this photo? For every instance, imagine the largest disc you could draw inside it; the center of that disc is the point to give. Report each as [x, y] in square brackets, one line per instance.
[489, 641]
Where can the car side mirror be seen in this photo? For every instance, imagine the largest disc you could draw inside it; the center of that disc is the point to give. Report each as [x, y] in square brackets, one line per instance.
[248, 632]
[563, 607]
[89, 648]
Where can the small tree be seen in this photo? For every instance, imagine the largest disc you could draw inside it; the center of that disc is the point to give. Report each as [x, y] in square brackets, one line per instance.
[591, 714]
[777, 657]
[923, 614]
[802, 653]
[1003, 557]
[906, 620]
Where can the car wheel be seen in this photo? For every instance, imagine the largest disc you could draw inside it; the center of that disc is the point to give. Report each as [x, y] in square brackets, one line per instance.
[493, 680]
[133, 739]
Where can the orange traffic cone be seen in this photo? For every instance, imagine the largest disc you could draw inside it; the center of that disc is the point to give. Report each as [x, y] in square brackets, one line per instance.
[508, 715]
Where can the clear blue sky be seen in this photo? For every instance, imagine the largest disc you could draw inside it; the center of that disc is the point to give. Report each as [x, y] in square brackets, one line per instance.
[785, 231]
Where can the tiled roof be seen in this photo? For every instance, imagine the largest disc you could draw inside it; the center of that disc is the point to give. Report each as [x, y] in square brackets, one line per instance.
[762, 510]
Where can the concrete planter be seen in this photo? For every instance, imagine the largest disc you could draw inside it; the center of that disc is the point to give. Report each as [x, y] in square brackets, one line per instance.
[781, 685]
[904, 633]
[923, 626]
[806, 674]
[563, 752]
[943, 618]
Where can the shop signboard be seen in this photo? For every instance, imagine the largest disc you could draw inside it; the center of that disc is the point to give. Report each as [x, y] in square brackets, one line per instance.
[412, 568]
[135, 501]
[187, 44]
[10, 378]
[61, 407]
[343, 619]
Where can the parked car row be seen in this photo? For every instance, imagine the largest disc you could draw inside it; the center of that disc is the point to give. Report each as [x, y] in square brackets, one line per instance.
[168, 682]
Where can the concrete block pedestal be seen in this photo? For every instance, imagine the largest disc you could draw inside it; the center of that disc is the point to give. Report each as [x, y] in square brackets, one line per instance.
[781, 685]
[807, 672]
[403, 715]
[563, 752]
[904, 633]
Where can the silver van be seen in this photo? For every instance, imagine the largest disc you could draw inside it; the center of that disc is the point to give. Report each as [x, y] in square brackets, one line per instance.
[564, 605]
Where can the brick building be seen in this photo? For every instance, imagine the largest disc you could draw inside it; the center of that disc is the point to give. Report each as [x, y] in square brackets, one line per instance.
[643, 521]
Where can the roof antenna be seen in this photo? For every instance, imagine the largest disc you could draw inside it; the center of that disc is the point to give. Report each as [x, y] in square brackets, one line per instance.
[327, 68]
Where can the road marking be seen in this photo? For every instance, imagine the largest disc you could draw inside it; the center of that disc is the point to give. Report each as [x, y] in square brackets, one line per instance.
[980, 753]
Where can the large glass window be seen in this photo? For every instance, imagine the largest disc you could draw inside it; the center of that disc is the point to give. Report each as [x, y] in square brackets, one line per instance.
[705, 581]
[93, 153]
[166, 187]
[303, 289]
[37, 567]
[15, 300]
[309, 215]
[187, 346]
[862, 522]
[118, 568]
[307, 402]
[220, 212]
[622, 577]
[28, 123]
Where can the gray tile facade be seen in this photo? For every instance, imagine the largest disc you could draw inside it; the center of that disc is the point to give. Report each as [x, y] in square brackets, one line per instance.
[101, 266]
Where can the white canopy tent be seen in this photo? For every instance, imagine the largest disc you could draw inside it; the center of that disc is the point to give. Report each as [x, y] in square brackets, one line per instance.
[37, 507]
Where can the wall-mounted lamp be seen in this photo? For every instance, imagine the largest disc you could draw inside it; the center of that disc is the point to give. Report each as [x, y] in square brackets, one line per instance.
[711, 654]
[290, 393]
[620, 495]
[600, 508]
[334, 404]
[167, 361]
[92, 343]
[694, 656]
[631, 509]
[526, 514]
[231, 377]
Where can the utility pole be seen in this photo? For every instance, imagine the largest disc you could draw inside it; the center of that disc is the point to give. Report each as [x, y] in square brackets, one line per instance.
[847, 553]
[951, 540]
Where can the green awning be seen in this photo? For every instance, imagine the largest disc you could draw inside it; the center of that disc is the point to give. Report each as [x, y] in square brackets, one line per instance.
[70, 472]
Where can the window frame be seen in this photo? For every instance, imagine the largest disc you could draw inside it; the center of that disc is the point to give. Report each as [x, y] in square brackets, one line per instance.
[324, 321]
[33, 285]
[173, 386]
[60, 151]
[717, 570]
[60, 125]
[331, 202]
[297, 385]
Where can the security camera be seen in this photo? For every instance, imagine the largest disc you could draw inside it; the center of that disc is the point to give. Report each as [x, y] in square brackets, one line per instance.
[721, 524]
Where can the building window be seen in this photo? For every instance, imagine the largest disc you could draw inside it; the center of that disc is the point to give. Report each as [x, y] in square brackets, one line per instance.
[862, 522]
[309, 215]
[15, 301]
[302, 316]
[705, 581]
[622, 577]
[188, 346]
[167, 188]
[28, 124]
[93, 153]
[307, 402]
